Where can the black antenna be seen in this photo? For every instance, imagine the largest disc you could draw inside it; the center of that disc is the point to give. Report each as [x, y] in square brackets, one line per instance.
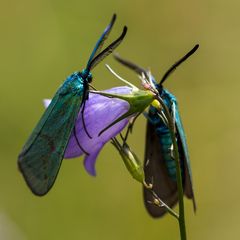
[139, 70]
[174, 66]
[108, 50]
[101, 41]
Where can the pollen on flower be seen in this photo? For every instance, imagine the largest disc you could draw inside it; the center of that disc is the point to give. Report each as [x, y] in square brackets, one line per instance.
[146, 85]
[155, 103]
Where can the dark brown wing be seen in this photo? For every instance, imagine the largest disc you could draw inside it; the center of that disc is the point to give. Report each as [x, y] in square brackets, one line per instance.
[156, 173]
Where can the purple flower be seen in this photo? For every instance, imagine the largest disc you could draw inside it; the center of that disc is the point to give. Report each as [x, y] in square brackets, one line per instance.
[106, 114]
[100, 111]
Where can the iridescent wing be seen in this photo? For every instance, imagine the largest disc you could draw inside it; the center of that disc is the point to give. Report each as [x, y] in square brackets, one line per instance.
[42, 155]
[182, 145]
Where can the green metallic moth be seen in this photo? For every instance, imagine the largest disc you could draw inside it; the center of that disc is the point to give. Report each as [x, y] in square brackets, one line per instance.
[42, 154]
[159, 164]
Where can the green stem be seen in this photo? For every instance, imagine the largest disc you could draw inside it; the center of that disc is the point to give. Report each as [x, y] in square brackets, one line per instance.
[181, 219]
[160, 203]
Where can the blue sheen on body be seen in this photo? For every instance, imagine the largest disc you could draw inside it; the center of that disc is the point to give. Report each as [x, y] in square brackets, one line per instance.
[159, 165]
[74, 83]
[164, 135]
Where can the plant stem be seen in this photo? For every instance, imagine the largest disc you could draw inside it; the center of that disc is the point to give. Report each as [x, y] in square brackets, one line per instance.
[160, 203]
[181, 219]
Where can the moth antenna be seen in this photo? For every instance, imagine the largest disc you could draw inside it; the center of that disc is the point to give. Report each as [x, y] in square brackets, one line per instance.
[174, 66]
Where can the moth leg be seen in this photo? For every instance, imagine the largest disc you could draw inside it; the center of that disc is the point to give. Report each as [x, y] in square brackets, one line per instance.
[78, 143]
[130, 128]
[83, 120]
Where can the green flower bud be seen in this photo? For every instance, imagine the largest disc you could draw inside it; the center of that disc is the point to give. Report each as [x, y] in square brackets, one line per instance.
[138, 101]
[130, 160]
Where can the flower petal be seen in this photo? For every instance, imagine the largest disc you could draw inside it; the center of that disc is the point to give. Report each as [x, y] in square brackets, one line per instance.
[90, 160]
[99, 112]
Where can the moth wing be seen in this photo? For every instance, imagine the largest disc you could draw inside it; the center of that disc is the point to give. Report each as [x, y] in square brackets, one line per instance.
[42, 155]
[156, 173]
[182, 144]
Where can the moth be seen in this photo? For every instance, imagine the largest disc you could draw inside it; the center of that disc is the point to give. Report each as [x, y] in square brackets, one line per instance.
[42, 154]
[159, 164]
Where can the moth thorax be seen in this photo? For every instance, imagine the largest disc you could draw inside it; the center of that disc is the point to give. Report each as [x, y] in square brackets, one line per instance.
[86, 75]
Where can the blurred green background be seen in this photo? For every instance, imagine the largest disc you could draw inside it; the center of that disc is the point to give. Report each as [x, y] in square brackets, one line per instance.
[42, 42]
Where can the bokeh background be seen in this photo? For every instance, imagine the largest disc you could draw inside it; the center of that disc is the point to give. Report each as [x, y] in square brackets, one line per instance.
[44, 41]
